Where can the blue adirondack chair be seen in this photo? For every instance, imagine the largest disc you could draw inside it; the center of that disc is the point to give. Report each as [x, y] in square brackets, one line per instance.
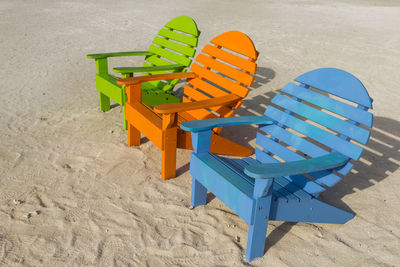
[276, 185]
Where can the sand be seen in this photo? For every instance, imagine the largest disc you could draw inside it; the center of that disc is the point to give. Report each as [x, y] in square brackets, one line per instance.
[72, 193]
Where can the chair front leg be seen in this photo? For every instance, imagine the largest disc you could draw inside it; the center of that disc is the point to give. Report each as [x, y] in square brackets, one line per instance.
[170, 136]
[102, 70]
[125, 98]
[133, 93]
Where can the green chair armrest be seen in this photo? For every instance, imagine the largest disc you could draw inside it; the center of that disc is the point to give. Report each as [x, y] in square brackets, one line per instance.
[270, 170]
[148, 69]
[119, 54]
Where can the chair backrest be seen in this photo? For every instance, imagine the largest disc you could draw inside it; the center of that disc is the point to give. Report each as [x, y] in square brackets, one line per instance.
[174, 44]
[225, 66]
[327, 111]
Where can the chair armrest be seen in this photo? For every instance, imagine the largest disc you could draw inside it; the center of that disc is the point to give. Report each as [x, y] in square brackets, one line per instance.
[270, 170]
[202, 125]
[119, 54]
[148, 69]
[157, 77]
[212, 102]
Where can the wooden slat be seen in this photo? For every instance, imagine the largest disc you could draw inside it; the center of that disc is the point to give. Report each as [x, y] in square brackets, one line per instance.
[293, 140]
[276, 148]
[321, 136]
[211, 102]
[157, 61]
[327, 178]
[167, 76]
[351, 130]
[240, 164]
[225, 69]
[185, 50]
[337, 82]
[288, 155]
[300, 180]
[230, 58]
[219, 80]
[207, 87]
[194, 94]
[186, 39]
[170, 55]
[237, 42]
[333, 105]
[199, 114]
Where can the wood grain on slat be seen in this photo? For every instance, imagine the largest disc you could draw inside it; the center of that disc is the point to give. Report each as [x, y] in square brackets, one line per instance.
[225, 69]
[219, 80]
[237, 42]
[333, 105]
[183, 49]
[230, 58]
[170, 55]
[207, 87]
[177, 107]
[321, 136]
[351, 130]
[157, 61]
[186, 39]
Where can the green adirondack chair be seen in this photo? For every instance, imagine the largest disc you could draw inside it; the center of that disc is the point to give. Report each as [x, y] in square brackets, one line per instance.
[172, 50]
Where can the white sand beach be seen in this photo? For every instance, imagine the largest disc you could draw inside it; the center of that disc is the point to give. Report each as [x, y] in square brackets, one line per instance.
[72, 193]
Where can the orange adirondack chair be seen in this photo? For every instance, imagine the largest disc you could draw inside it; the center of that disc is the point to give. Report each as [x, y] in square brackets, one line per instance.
[214, 89]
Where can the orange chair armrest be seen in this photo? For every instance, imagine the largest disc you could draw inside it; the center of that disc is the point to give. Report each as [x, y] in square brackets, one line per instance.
[157, 77]
[178, 107]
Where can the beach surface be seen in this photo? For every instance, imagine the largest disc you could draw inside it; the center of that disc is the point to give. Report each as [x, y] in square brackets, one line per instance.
[72, 193]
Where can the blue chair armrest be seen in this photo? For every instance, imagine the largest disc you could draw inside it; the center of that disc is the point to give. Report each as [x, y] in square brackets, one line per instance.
[270, 170]
[148, 69]
[203, 125]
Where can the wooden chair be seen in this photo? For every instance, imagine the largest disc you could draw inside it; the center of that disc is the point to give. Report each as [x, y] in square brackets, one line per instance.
[171, 51]
[216, 85]
[308, 136]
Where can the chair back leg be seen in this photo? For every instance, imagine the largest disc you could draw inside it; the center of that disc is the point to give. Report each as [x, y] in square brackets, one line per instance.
[199, 193]
[104, 102]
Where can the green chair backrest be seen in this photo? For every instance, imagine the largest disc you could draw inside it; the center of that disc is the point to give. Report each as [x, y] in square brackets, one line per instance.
[175, 44]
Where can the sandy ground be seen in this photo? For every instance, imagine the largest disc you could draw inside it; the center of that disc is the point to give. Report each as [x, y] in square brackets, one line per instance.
[72, 193]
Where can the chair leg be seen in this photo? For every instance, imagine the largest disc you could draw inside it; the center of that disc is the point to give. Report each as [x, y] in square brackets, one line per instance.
[258, 230]
[168, 164]
[133, 136]
[104, 102]
[125, 121]
[199, 193]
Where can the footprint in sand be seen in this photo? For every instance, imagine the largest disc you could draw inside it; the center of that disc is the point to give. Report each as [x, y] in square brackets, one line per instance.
[32, 213]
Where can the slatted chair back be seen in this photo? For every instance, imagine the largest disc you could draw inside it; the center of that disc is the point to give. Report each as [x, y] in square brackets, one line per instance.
[225, 66]
[327, 111]
[174, 44]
